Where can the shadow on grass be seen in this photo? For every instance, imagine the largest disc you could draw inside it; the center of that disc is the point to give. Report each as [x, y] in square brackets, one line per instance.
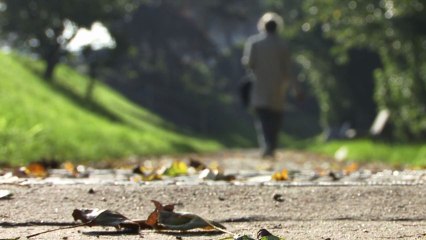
[87, 104]
[79, 100]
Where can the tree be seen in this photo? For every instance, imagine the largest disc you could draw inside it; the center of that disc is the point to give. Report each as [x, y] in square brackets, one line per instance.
[45, 27]
[386, 36]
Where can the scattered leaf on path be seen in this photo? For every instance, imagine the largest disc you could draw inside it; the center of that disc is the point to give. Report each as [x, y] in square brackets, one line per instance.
[208, 174]
[281, 176]
[164, 218]
[177, 168]
[97, 217]
[196, 164]
[35, 170]
[351, 168]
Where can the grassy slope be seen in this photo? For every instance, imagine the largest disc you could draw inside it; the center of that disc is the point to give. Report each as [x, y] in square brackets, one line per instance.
[366, 150]
[42, 120]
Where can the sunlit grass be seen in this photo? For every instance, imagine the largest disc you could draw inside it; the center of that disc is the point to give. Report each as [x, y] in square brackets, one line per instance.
[43, 120]
[366, 150]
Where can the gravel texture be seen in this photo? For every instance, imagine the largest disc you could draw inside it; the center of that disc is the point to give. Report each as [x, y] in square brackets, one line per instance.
[373, 202]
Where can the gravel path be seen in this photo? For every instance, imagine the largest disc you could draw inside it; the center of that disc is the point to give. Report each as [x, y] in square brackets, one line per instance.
[373, 202]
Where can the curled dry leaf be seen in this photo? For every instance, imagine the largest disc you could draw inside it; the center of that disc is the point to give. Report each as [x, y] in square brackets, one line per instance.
[97, 217]
[164, 218]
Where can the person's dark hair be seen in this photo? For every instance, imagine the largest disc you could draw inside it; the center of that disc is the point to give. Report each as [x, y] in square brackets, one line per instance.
[271, 26]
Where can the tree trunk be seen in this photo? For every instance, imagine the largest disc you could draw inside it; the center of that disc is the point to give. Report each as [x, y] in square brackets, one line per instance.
[52, 59]
[92, 81]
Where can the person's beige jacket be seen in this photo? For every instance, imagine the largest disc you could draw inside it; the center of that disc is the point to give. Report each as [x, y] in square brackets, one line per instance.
[268, 57]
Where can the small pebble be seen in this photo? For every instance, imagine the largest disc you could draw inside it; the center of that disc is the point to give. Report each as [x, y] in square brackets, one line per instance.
[278, 197]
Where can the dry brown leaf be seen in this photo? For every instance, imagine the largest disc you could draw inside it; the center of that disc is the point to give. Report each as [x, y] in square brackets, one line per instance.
[164, 218]
[196, 164]
[35, 170]
[97, 217]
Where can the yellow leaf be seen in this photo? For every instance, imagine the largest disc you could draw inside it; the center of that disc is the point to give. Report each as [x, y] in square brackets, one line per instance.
[281, 176]
[351, 168]
[176, 169]
[70, 167]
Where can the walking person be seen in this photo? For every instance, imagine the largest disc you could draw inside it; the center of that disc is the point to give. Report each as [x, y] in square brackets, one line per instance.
[267, 55]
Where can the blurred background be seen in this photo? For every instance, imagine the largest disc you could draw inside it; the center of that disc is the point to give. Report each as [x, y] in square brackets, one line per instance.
[111, 79]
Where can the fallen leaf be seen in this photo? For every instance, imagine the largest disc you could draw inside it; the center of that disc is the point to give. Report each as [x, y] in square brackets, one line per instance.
[35, 170]
[281, 176]
[146, 178]
[198, 165]
[177, 168]
[5, 194]
[78, 171]
[164, 218]
[208, 174]
[97, 217]
[351, 168]
[215, 166]
[70, 168]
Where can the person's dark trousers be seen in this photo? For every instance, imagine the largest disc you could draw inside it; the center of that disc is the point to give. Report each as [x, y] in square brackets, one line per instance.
[268, 125]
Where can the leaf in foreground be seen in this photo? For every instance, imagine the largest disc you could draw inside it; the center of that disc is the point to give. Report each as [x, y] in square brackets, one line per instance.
[164, 218]
[107, 218]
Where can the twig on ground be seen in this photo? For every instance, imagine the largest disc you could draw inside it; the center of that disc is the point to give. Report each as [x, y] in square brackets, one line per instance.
[56, 229]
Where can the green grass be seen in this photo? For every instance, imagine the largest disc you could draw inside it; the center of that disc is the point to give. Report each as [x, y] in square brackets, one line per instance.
[366, 150]
[53, 121]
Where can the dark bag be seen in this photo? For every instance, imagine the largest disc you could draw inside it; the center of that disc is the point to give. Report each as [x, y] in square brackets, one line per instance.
[245, 88]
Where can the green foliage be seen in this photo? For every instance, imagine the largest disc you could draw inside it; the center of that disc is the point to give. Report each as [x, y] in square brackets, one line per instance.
[45, 27]
[365, 150]
[325, 33]
[49, 120]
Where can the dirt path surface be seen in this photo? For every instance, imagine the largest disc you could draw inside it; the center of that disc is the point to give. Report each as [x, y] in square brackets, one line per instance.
[374, 202]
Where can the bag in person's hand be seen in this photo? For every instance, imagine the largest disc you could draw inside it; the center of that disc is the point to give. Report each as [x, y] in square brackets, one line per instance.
[245, 88]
